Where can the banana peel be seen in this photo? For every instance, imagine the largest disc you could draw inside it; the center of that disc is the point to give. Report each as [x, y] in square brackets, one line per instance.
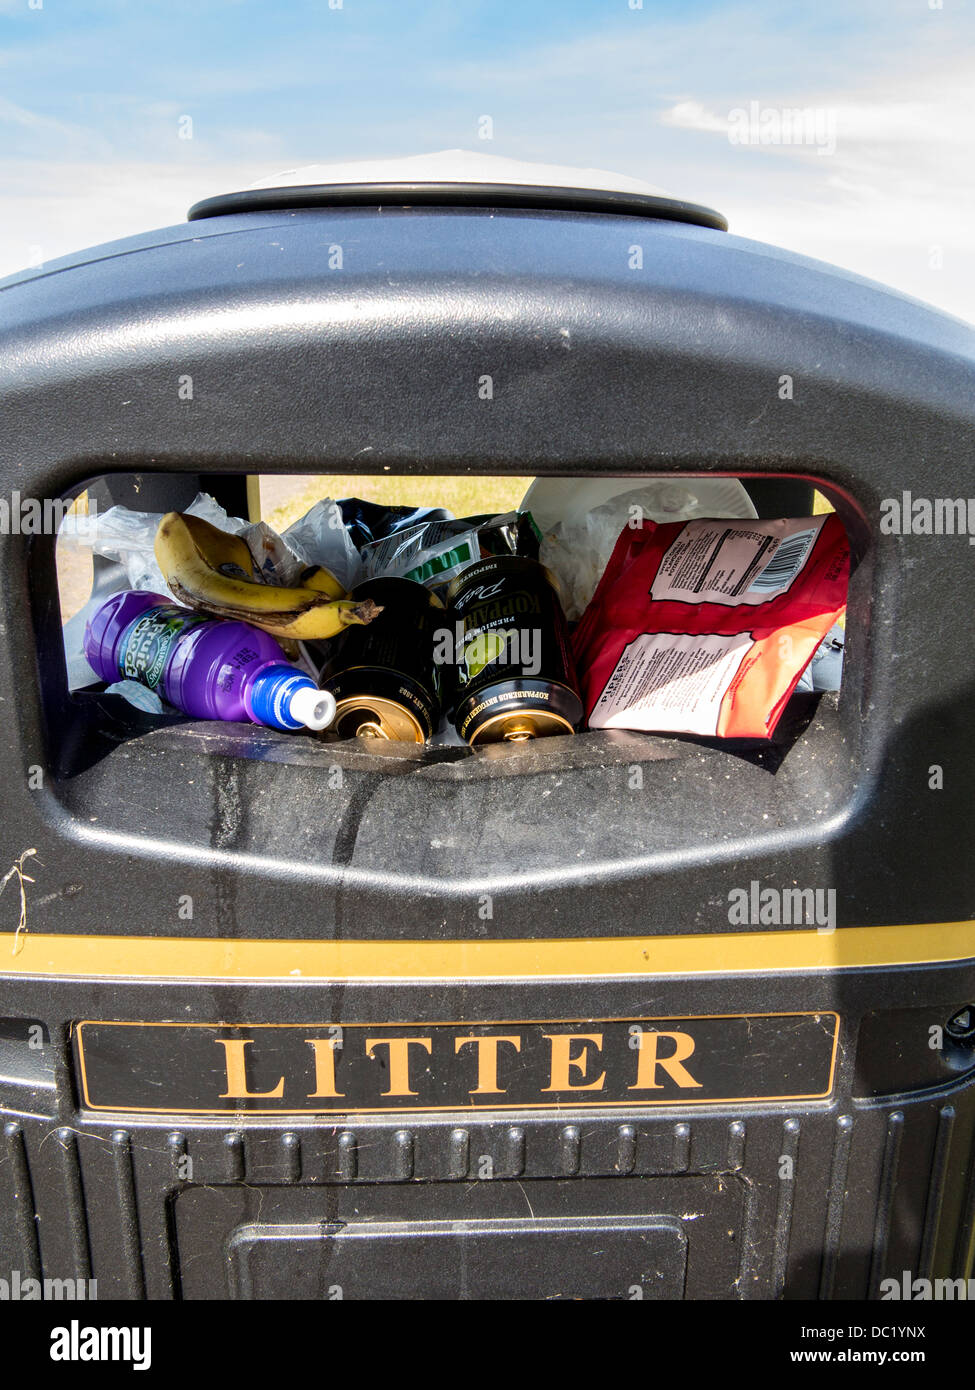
[209, 570]
[227, 553]
[323, 581]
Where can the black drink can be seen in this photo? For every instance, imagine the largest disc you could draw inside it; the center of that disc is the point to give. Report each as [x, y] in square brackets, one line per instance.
[383, 674]
[515, 679]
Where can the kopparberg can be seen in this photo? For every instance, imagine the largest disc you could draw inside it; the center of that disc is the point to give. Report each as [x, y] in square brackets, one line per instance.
[514, 674]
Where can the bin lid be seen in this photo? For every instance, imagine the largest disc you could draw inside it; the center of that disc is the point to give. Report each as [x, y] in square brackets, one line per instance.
[459, 178]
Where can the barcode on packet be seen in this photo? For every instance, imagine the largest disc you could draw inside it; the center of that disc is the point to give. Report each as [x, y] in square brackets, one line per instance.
[786, 562]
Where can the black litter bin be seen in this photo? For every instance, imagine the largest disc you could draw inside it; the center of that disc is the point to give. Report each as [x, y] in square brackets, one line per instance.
[285, 1018]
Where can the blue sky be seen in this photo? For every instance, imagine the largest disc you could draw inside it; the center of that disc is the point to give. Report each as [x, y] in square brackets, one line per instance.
[92, 92]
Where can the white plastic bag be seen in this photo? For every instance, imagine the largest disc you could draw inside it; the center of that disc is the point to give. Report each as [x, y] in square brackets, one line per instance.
[580, 520]
[128, 537]
[320, 538]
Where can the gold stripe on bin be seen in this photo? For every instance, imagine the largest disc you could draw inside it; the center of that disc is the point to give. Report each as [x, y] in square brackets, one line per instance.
[737, 953]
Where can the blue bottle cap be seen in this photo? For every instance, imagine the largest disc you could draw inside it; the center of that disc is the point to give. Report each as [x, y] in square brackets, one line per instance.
[281, 697]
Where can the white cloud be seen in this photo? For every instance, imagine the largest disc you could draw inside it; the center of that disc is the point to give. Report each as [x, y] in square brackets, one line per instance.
[53, 209]
[691, 115]
[894, 200]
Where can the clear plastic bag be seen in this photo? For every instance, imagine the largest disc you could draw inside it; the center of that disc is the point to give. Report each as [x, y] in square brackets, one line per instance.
[128, 538]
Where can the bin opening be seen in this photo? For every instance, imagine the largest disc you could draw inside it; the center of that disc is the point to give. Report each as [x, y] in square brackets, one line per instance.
[396, 547]
[617, 789]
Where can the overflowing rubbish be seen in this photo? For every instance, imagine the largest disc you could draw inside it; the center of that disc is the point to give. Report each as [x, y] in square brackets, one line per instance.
[127, 539]
[208, 668]
[658, 605]
[705, 627]
[318, 539]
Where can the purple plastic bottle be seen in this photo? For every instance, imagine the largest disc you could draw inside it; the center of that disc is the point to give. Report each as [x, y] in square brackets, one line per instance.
[210, 668]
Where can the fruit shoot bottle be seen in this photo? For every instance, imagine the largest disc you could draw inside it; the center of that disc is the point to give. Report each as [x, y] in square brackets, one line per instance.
[210, 668]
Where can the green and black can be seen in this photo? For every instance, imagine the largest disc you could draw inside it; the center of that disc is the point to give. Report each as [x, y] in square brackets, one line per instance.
[383, 674]
[515, 679]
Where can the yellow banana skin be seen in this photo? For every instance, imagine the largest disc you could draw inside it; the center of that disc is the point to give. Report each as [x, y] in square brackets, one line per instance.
[324, 581]
[224, 551]
[195, 558]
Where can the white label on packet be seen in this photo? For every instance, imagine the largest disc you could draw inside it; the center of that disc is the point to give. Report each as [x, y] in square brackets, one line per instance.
[734, 562]
[674, 683]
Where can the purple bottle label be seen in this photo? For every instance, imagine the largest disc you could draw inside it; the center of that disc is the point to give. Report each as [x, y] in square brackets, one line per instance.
[146, 645]
[230, 671]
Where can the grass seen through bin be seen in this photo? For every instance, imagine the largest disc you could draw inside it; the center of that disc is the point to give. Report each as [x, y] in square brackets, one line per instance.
[285, 499]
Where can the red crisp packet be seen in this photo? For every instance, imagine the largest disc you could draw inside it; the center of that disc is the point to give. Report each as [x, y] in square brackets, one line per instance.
[704, 627]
